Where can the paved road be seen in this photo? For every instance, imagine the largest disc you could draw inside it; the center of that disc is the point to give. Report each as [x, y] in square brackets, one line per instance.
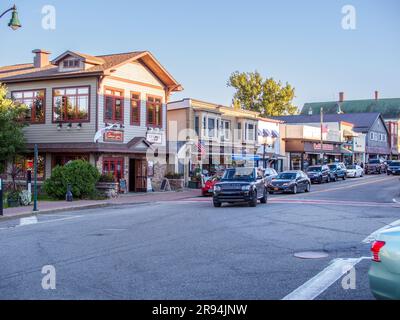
[190, 250]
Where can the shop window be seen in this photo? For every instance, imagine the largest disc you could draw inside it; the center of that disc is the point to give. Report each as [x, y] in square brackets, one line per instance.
[135, 109]
[26, 163]
[63, 159]
[34, 100]
[71, 104]
[197, 125]
[115, 166]
[113, 105]
[154, 112]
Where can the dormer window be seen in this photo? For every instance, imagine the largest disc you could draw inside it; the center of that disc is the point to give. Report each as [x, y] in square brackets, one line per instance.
[71, 63]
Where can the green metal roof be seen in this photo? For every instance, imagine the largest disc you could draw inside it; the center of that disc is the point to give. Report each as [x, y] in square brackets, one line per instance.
[389, 108]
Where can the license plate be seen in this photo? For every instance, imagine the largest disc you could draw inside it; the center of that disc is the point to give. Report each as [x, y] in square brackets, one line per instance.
[276, 189]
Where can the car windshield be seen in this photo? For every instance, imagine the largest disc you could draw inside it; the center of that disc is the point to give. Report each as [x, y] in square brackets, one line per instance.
[314, 169]
[245, 174]
[332, 166]
[352, 167]
[395, 164]
[374, 161]
[286, 176]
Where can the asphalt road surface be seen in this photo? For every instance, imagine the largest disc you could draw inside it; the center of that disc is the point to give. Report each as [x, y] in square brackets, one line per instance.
[191, 250]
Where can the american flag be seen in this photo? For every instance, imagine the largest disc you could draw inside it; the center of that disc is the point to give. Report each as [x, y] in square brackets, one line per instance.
[325, 128]
[201, 148]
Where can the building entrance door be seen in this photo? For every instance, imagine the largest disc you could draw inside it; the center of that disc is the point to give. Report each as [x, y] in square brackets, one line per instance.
[137, 175]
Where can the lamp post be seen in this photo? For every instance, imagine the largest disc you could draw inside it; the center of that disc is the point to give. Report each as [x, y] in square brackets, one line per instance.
[14, 21]
[267, 142]
[322, 135]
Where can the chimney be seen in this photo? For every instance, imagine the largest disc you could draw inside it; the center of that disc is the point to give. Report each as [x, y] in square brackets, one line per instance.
[41, 58]
[376, 95]
[341, 96]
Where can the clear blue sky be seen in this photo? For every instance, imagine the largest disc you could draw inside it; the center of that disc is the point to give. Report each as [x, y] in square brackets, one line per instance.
[202, 42]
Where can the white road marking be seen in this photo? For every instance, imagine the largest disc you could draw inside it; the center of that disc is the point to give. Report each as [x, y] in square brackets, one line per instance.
[373, 235]
[28, 221]
[323, 280]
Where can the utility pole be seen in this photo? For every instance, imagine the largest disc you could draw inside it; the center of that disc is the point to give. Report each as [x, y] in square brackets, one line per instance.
[322, 134]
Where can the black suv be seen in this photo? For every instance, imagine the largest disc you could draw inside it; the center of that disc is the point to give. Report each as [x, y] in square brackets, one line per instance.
[319, 174]
[393, 168]
[338, 170]
[240, 185]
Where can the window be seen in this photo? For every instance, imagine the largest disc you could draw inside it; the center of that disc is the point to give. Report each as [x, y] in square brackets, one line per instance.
[211, 127]
[35, 102]
[71, 104]
[135, 109]
[197, 125]
[114, 166]
[154, 111]
[26, 163]
[239, 131]
[71, 63]
[250, 132]
[114, 105]
[226, 130]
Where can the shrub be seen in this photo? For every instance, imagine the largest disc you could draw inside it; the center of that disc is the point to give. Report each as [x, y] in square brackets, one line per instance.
[81, 175]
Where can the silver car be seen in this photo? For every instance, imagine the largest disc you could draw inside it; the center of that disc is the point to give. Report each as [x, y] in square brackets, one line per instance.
[384, 273]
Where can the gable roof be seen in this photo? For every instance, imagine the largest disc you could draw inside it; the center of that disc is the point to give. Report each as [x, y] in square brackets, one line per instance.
[103, 65]
[362, 121]
[389, 108]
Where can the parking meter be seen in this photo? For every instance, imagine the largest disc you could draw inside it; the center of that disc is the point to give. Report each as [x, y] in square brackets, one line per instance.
[69, 196]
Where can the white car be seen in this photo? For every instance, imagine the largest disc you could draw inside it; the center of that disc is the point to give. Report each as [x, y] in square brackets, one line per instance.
[354, 171]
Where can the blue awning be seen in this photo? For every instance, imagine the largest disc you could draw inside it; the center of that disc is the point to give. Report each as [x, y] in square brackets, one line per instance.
[240, 157]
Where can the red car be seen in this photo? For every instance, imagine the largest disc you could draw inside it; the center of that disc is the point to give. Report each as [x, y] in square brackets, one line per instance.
[208, 188]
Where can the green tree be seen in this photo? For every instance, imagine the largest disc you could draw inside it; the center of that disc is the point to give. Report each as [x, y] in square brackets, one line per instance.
[266, 96]
[12, 141]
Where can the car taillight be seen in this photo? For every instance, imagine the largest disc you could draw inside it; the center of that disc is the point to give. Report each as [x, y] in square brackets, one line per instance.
[376, 248]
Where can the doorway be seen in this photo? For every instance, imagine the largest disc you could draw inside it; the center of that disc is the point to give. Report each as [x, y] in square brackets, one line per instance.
[137, 175]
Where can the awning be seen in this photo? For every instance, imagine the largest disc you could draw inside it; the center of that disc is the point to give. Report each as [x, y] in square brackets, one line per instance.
[264, 133]
[240, 157]
[275, 134]
[350, 133]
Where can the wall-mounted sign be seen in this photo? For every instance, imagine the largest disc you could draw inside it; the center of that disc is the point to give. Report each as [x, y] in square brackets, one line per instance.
[326, 147]
[156, 138]
[114, 136]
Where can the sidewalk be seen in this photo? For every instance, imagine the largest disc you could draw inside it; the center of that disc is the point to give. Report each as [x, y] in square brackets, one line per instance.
[59, 206]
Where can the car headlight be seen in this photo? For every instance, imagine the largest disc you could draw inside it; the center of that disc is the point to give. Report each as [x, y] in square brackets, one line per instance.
[217, 188]
[246, 188]
[286, 184]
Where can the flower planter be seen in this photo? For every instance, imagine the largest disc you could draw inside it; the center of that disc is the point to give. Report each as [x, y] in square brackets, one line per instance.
[12, 203]
[176, 184]
[108, 189]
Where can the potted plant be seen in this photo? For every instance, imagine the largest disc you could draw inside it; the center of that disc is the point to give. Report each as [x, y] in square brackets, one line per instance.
[13, 199]
[107, 185]
[176, 180]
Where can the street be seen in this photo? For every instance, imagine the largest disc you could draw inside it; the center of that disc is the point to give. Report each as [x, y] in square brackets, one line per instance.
[191, 250]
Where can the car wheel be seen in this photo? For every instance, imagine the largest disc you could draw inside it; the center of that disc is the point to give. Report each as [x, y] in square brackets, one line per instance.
[253, 202]
[295, 189]
[217, 204]
[344, 177]
[264, 198]
[308, 188]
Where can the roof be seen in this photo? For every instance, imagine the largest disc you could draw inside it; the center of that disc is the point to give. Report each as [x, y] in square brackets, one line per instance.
[362, 121]
[103, 65]
[389, 108]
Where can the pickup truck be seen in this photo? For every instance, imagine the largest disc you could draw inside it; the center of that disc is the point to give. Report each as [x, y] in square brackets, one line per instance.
[375, 166]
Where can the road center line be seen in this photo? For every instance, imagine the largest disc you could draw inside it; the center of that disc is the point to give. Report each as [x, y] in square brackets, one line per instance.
[323, 280]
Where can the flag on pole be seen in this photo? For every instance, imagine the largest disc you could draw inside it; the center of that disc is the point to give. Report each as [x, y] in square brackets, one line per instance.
[201, 148]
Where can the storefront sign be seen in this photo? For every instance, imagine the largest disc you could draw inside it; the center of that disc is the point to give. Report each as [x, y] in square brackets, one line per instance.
[326, 147]
[156, 138]
[114, 136]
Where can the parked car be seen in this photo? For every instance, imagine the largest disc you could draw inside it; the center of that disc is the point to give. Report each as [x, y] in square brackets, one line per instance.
[338, 171]
[375, 166]
[384, 273]
[269, 174]
[319, 174]
[240, 185]
[394, 168]
[290, 181]
[208, 188]
[354, 171]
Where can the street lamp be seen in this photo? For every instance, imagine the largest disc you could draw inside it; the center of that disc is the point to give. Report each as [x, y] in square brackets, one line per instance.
[267, 142]
[14, 22]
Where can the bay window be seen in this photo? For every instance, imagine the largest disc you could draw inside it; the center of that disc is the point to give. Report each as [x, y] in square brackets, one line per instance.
[154, 111]
[226, 130]
[71, 104]
[250, 132]
[113, 105]
[34, 100]
[135, 109]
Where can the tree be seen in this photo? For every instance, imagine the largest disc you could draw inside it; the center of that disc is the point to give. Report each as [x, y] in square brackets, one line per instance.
[12, 140]
[266, 96]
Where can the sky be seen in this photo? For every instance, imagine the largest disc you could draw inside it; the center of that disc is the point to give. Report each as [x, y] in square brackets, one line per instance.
[202, 42]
